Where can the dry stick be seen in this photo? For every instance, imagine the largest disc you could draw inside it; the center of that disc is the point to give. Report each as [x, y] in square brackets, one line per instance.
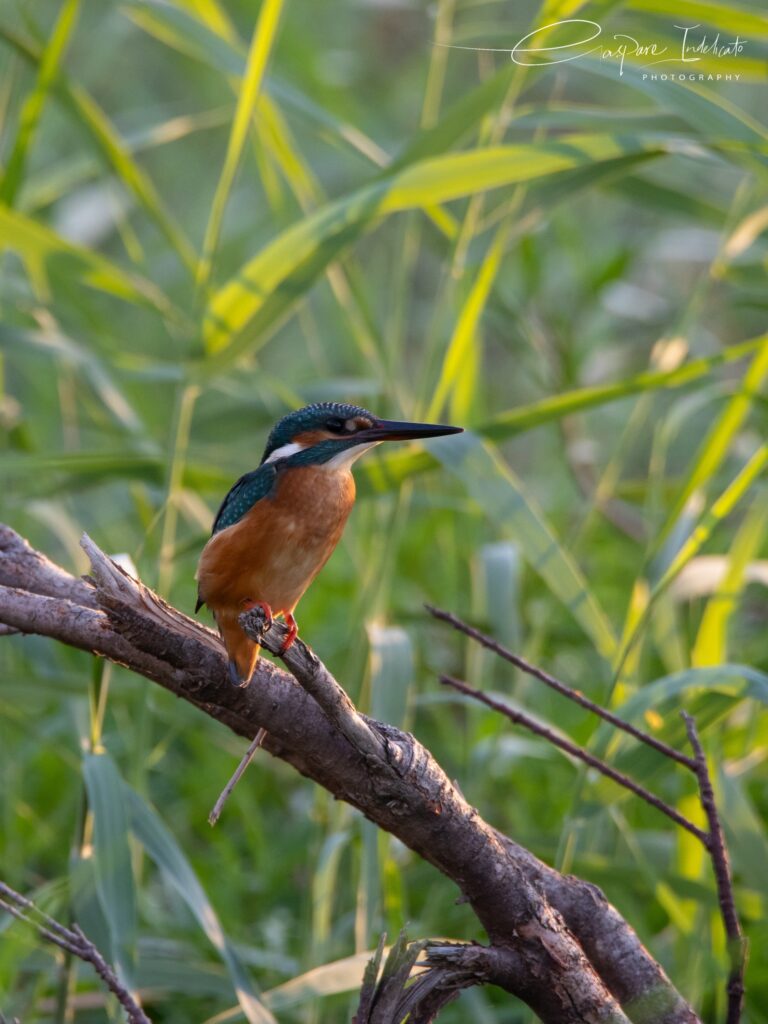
[74, 941]
[561, 687]
[519, 718]
[723, 880]
[218, 807]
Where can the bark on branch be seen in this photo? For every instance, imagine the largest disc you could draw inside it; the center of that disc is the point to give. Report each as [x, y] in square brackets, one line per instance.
[578, 960]
[418, 979]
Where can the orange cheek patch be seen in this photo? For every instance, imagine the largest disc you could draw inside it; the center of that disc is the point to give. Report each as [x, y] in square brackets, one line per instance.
[362, 423]
[310, 437]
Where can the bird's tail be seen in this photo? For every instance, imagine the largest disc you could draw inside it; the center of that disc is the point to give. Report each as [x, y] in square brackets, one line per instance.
[243, 652]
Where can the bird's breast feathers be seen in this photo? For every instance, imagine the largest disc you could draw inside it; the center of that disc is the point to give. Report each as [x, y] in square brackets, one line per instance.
[276, 549]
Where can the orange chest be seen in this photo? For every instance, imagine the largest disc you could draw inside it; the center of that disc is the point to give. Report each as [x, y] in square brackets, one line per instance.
[310, 505]
[275, 551]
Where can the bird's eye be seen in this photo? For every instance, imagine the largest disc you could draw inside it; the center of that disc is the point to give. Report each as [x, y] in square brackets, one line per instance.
[335, 425]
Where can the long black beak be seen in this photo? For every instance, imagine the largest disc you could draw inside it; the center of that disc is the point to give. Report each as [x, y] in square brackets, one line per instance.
[396, 430]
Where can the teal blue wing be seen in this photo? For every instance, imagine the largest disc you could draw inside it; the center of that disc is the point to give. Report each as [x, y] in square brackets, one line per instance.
[244, 494]
[248, 490]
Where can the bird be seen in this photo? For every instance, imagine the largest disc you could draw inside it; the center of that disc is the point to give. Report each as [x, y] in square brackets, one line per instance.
[279, 523]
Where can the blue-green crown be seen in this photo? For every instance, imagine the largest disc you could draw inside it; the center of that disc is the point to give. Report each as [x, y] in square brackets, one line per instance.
[328, 415]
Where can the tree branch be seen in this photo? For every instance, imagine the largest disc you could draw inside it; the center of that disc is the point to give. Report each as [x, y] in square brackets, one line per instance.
[74, 941]
[520, 718]
[560, 687]
[719, 854]
[582, 961]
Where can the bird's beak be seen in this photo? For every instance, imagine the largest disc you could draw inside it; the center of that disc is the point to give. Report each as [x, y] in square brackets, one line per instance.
[396, 430]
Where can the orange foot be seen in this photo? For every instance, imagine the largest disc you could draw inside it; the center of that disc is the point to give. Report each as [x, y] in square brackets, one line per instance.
[293, 632]
[247, 604]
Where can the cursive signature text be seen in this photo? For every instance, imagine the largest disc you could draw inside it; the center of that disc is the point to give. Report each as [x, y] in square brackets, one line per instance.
[620, 47]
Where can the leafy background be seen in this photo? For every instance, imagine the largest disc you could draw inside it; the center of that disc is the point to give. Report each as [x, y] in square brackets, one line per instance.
[212, 213]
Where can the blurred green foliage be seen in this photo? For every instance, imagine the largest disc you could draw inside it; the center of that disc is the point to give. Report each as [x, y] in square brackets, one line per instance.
[211, 213]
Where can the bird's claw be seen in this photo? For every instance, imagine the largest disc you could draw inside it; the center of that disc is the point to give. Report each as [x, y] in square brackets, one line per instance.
[265, 611]
[293, 632]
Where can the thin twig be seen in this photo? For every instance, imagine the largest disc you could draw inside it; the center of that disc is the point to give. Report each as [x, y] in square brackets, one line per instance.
[519, 718]
[72, 940]
[563, 688]
[723, 880]
[218, 807]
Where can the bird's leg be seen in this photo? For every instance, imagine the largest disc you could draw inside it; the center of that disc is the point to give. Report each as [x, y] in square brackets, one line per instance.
[247, 604]
[293, 632]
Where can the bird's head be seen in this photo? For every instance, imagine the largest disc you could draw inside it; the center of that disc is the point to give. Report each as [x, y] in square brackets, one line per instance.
[335, 434]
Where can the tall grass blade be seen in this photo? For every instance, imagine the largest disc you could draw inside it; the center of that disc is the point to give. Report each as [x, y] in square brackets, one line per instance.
[546, 410]
[212, 15]
[325, 882]
[745, 831]
[721, 508]
[502, 497]
[392, 468]
[711, 646]
[329, 979]
[182, 32]
[131, 175]
[50, 60]
[162, 847]
[496, 581]
[258, 57]
[455, 380]
[112, 859]
[198, 40]
[708, 522]
[718, 441]
[460, 120]
[719, 123]
[307, 247]
[112, 148]
[343, 975]
[499, 569]
[56, 345]
[392, 673]
[708, 693]
[39, 245]
[164, 968]
[368, 911]
[726, 17]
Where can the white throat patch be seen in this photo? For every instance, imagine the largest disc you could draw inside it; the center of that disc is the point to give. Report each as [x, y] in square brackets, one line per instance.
[284, 452]
[343, 460]
[346, 457]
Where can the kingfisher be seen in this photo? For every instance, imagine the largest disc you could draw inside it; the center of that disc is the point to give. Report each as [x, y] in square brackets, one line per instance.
[279, 524]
